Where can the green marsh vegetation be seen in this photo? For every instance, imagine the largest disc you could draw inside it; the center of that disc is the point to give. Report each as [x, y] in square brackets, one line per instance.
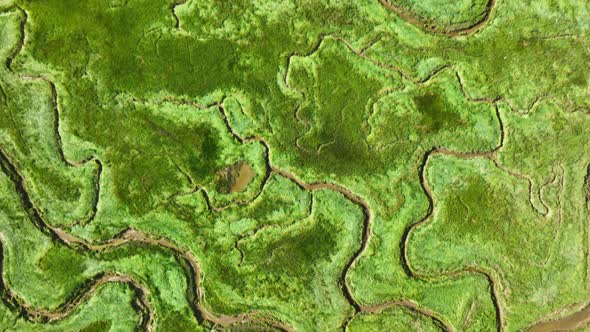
[293, 165]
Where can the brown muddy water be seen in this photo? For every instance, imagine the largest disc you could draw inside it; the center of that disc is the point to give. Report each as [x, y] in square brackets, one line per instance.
[245, 176]
[236, 177]
[574, 321]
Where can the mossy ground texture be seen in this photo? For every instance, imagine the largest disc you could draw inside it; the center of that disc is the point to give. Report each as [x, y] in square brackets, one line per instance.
[294, 165]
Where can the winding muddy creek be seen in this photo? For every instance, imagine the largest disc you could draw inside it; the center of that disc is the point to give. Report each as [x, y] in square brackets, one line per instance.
[411, 17]
[574, 321]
